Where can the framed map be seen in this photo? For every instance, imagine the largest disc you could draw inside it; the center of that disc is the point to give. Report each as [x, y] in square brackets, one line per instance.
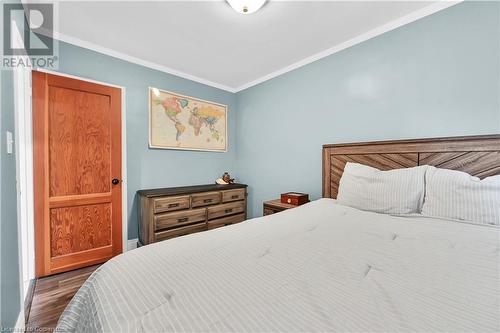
[183, 122]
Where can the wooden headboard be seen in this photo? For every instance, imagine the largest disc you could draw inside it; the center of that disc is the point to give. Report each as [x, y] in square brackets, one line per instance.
[476, 155]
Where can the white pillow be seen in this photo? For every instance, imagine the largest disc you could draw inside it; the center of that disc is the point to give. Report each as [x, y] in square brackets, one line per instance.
[397, 192]
[460, 196]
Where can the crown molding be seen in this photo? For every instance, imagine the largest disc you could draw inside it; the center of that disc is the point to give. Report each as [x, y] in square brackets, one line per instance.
[138, 61]
[413, 16]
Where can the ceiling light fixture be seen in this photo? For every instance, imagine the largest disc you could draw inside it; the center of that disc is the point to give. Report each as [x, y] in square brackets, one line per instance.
[246, 6]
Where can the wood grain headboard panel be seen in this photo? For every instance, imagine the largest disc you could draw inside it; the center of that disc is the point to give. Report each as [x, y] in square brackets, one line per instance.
[476, 155]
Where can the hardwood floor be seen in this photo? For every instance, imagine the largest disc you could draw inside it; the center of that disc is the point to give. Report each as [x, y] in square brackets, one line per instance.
[51, 296]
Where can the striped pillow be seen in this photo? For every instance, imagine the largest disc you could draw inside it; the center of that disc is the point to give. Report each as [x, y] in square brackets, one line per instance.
[397, 192]
[460, 196]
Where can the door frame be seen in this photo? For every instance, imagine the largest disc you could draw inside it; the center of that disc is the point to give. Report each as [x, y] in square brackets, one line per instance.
[27, 149]
[22, 109]
[24, 175]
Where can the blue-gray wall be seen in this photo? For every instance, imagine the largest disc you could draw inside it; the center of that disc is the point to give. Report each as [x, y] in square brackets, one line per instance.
[153, 168]
[438, 76]
[9, 259]
[10, 289]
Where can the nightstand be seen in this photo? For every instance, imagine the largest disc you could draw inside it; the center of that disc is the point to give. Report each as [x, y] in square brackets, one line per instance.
[275, 206]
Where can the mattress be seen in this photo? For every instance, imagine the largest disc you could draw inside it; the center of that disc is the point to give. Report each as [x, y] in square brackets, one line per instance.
[319, 267]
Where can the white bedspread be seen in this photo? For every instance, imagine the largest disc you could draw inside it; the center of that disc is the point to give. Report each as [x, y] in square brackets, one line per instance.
[318, 267]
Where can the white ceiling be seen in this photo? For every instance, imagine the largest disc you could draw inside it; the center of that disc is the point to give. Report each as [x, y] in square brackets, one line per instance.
[209, 42]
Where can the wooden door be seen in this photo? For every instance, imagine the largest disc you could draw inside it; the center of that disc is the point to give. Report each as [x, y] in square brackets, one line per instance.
[77, 173]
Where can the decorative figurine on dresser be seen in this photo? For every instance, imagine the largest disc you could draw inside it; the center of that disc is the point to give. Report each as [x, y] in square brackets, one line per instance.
[176, 211]
[225, 179]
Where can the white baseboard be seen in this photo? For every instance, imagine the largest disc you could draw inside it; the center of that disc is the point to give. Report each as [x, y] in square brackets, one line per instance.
[132, 244]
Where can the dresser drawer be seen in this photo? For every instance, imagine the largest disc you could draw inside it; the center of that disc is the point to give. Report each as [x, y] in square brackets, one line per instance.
[212, 224]
[168, 220]
[189, 229]
[233, 195]
[168, 204]
[205, 199]
[226, 209]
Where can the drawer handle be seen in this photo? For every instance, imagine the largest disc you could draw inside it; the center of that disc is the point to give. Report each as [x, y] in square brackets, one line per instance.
[227, 211]
[173, 205]
[235, 196]
[207, 200]
[183, 219]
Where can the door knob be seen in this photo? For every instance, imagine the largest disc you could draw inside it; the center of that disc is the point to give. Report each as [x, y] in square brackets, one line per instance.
[115, 181]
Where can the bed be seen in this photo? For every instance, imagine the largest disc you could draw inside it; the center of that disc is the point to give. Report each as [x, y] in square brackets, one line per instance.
[318, 267]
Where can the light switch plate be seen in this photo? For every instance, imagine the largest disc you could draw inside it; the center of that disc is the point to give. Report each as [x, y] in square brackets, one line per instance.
[9, 142]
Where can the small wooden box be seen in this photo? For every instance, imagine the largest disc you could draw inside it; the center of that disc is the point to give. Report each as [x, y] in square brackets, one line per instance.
[294, 198]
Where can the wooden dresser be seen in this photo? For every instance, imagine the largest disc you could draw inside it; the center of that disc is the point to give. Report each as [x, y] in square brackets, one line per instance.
[170, 212]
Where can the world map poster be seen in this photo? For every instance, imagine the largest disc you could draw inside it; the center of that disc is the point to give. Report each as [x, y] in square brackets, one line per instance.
[183, 122]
